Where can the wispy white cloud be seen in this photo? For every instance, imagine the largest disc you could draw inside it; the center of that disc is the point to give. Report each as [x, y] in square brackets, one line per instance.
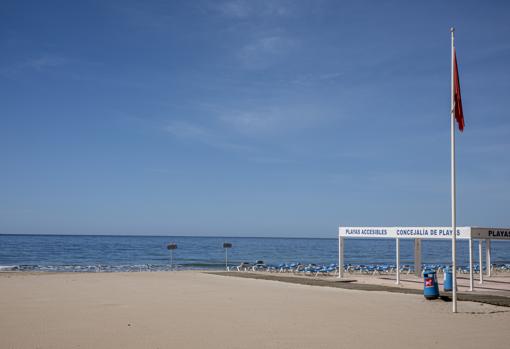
[252, 121]
[264, 52]
[239, 9]
[228, 140]
[39, 63]
[314, 78]
[183, 129]
[273, 119]
[46, 61]
[193, 132]
[151, 16]
[271, 160]
[245, 8]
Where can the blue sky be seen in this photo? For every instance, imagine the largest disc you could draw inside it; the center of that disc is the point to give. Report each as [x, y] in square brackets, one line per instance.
[249, 118]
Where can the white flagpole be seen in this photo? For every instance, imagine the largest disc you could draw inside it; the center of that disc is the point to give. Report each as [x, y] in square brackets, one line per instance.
[454, 223]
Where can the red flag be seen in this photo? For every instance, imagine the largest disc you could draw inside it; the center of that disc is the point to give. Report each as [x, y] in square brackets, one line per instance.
[457, 100]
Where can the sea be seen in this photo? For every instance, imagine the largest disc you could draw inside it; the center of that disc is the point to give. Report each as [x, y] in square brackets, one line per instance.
[102, 253]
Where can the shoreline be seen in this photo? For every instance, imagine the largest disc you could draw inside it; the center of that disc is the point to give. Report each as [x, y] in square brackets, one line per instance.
[359, 282]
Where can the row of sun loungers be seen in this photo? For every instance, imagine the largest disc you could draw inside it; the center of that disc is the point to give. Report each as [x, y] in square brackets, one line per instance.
[374, 269]
[296, 268]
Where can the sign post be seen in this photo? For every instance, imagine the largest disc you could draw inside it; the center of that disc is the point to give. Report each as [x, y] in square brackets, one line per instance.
[397, 262]
[171, 247]
[226, 246]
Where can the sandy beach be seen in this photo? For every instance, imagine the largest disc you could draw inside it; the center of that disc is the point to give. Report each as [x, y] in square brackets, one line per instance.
[198, 310]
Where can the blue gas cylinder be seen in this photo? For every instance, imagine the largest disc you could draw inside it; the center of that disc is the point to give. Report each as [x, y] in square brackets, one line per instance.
[430, 286]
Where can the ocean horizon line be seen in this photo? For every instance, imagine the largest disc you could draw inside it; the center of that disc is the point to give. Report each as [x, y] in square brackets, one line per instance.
[172, 236]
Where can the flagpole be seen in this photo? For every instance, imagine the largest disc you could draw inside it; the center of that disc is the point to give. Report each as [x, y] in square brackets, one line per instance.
[454, 223]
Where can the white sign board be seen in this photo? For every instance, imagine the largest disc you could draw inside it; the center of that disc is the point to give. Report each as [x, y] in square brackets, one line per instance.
[404, 232]
[491, 233]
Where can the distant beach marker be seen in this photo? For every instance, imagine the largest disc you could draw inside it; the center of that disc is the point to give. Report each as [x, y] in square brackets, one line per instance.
[226, 246]
[171, 247]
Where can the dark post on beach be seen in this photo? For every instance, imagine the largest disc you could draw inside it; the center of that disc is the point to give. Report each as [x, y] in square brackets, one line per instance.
[226, 246]
[171, 247]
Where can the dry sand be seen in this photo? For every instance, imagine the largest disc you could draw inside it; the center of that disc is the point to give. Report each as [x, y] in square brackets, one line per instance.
[197, 310]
